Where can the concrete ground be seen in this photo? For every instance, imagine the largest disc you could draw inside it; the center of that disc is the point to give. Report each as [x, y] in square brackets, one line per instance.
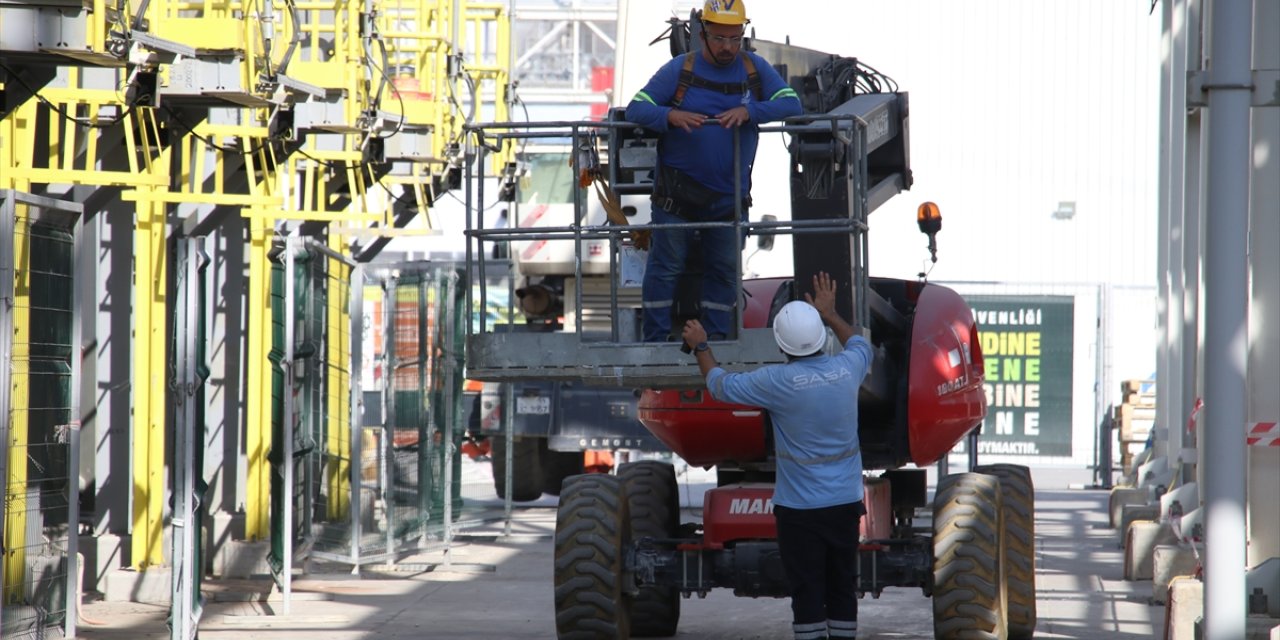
[495, 587]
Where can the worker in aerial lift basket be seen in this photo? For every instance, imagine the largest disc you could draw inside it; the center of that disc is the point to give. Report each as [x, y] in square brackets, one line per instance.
[694, 179]
[817, 502]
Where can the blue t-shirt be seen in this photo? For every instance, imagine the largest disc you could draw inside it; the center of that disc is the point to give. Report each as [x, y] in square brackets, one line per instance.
[707, 153]
[814, 405]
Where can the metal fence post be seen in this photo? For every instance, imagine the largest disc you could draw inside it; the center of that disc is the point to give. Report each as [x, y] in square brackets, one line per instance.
[7, 215]
[185, 514]
[286, 560]
[357, 409]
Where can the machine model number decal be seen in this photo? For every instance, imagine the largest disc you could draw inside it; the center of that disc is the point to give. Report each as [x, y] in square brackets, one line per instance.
[536, 406]
[952, 385]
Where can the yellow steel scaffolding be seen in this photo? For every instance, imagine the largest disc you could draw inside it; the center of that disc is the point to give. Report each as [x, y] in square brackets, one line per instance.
[314, 91]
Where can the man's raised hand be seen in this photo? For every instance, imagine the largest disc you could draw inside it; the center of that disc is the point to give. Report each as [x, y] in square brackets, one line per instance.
[824, 298]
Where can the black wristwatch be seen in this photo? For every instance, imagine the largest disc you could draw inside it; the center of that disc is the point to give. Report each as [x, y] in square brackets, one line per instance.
[700, 347]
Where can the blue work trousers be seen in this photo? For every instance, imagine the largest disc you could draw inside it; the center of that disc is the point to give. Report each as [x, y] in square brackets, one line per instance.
[820, 557]
[669, 253]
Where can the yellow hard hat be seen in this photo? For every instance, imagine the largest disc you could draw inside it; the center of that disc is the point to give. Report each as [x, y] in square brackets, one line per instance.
[730, 12]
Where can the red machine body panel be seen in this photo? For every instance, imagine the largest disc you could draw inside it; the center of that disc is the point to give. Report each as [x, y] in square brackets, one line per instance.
[738, 512]
[945, 397]
[701, 429]
[745, 512]
[878, 501]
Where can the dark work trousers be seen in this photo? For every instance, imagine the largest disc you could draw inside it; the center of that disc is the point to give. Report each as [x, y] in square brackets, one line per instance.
[820, 554]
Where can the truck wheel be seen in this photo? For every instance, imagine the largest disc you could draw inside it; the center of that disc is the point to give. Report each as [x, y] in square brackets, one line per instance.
[1017, 494]
[654, 499]
[591, 540]
[968, 577]
[526, 478]
[558, 465]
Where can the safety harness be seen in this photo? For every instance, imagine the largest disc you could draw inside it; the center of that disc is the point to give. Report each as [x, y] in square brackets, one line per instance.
[688, 79]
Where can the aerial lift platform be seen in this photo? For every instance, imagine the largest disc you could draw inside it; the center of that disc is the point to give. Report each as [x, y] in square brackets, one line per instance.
[846, 161]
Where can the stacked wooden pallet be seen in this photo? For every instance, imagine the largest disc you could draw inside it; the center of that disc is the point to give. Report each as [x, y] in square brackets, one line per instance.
[1134, 418]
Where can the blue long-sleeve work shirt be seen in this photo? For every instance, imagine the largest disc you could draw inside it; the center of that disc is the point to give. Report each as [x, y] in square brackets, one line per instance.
[813, 402]
[706, 154]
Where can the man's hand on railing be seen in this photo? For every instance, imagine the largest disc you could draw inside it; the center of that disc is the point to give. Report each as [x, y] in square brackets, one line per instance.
[686, 120]
[734, 117]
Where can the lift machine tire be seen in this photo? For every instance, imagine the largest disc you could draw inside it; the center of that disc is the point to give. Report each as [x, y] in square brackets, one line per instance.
[654, 499]
[969, 597]
[1017, 494]
[592, 534]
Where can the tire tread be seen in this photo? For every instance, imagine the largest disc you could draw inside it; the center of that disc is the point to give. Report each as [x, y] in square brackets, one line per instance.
[591, 538]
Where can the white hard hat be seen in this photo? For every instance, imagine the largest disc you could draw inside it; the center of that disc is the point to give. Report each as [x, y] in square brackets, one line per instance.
[798, 329]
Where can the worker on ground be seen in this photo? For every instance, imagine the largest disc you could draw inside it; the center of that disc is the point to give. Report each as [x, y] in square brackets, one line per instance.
[694, 180]
[813, 403]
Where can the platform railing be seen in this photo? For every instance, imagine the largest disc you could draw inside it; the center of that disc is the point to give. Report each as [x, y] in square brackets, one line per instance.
[616, 359]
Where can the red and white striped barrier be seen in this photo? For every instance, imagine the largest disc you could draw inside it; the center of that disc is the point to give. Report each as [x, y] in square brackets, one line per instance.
[1264, 434]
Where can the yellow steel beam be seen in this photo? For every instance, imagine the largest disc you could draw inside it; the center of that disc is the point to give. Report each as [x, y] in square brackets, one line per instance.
[13, 562]
[486, 36]
[73, 149]
[384, 232]
[90, 177]
[149, 366]
[224, 199]
[149, 386]
[258, 394]
[314, 215]
[18, 446]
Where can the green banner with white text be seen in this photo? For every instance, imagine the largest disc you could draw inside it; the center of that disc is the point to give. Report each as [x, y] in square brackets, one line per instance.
[1027, 344]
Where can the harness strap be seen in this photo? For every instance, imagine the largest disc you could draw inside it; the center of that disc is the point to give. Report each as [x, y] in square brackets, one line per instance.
[688, 79]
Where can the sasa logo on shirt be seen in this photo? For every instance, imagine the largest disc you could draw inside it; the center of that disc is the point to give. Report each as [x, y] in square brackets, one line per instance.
[809, 379]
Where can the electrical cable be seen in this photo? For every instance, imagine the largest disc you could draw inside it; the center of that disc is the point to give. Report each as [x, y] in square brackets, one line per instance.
[368, 57]
[342, 165]
[298, 37]
[474, 90]
[524, 142]
[209, 141]
[332, 164]
[58, 108]
[453, 98]
[401, 199]
[840, 79]
[394, 89]
[464, 204]
[926, 269]
[251, 8]
[122, 12]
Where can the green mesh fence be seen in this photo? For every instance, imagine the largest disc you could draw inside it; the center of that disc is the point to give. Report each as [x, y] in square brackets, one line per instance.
[317, 295]
[364, 494]
[36, 421]
[425, 398]
[311, 288]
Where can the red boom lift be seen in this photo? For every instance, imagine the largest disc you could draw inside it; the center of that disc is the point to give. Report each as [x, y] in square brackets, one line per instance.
[624, 560]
